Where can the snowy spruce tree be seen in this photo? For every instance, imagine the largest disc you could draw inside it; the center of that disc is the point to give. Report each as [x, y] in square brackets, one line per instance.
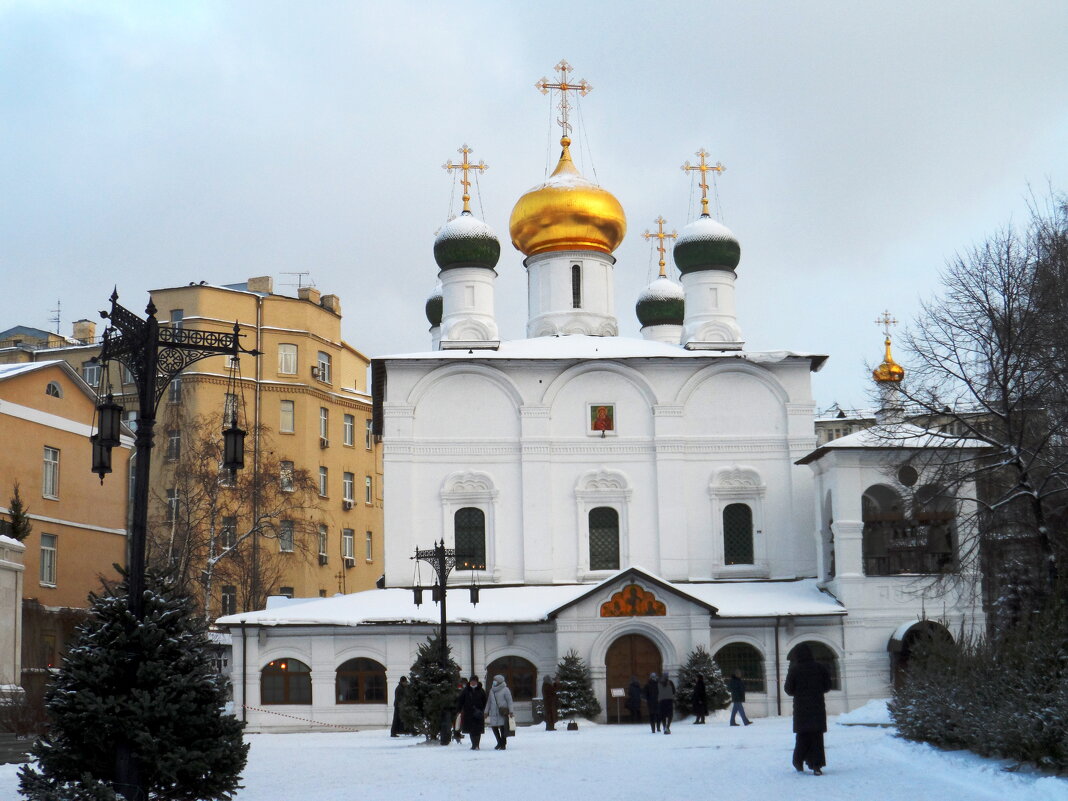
[701, 663]
[574, 688]
[19, 525]
[432, 692]
[149, 686]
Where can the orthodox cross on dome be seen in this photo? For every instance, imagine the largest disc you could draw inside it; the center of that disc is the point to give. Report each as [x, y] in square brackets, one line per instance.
[885, 320]
[464, 167]
[582, 87]
[660, 236]
[704, 168]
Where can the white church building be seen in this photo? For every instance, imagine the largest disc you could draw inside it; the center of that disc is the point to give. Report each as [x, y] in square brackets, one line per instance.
[631, 499]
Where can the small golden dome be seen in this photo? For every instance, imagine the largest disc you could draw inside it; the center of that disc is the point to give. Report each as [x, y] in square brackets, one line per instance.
[889, 371]
[567, 212]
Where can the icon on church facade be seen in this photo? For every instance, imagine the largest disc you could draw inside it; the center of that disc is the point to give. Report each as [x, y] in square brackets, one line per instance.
[602, 418]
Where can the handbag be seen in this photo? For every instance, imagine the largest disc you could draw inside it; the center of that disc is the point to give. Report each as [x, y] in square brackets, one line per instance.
[511, 724]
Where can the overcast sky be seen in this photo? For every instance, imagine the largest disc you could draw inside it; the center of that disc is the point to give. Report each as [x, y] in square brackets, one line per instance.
[147, 145]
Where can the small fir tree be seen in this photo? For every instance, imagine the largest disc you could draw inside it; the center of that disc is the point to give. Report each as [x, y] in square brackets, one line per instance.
[432, 690]
[574, 688]
[700, 663]
[150, 686]
[19, 525]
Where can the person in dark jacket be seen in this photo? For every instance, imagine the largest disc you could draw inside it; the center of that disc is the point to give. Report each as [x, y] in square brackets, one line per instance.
[652, 701]
[548, 698]
[472, 706]
[634, 700]
[737, 688]
[807, 682]
[397, 729]
[665, 694]
[457, 725]
[699, 702]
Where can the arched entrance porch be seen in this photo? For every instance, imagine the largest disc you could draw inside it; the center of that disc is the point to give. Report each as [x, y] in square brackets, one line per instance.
[905, 640]
[629, 655]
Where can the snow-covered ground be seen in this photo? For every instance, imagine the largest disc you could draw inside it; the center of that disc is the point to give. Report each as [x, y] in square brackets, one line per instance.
[625, 762]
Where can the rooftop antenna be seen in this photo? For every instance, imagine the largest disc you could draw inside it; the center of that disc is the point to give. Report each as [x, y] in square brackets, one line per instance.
[55, 318]
[300, 279]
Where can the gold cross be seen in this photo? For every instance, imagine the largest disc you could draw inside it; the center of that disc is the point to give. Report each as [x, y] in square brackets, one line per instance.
[660, 236]
[704, 168]
[582, 87]
[885, 320]
[464, 166]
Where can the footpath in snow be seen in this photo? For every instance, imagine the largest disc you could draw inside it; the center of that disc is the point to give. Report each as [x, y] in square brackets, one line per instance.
[625, 763]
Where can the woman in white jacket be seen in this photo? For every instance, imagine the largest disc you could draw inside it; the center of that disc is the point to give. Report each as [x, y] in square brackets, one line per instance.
[498, 707]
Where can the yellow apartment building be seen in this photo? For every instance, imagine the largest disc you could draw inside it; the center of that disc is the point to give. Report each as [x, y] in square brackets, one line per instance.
[78, 524]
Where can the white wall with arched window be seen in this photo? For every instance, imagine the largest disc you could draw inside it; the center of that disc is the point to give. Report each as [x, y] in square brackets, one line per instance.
[739, 547]
[601, 498]
[468, 502]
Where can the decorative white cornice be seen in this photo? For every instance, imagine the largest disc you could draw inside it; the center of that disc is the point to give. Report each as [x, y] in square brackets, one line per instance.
[468, 484]
[666, 410]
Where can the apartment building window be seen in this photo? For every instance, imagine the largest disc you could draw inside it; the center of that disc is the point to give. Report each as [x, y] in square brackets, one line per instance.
[129, 416]
[348, 543]
[348, 486]
[53, 390]
[128, 376]
[348, 429]
[91, 373]
[368, 490]
[50, 479]
[287, 359]
[228, 533]
[369, 434]
[286, 591]
[324, 537]
[174, 391]
[286, 477]
[48, 560]
[287, 413]
[174, 444]
[323, 363]
[228, 600]
[171, 511]
[324, 423]
[369, 555]
[177, 316]
[285, 536]
[323, 482]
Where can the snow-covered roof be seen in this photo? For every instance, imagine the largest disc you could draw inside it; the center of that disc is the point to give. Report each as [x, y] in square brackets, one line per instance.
[533, 604]
[11, 370]
[888, 437]
[581, 346]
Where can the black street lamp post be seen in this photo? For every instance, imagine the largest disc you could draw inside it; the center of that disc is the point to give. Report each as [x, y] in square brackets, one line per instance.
[153, 356]
[443, 560]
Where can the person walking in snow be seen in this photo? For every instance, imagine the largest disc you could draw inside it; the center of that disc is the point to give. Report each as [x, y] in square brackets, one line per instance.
[397, 729]
[699, 704]
[807, 682]
[472, 707]
[652, 701]
[634, 700]
[548, 698]
[737, 688]
[665, 693]
[498, 708]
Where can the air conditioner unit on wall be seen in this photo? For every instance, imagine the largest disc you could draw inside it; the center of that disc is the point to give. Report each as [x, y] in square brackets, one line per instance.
[323, 558]
[346, 505]
[350, 562]
[324, 442]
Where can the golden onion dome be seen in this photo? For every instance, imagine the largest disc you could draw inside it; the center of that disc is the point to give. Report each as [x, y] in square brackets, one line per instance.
[889, 371]
[567, 212]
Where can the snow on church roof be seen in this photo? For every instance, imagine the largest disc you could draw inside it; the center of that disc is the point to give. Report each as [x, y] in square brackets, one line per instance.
[889, 437]
[533, 604]
[581, 346]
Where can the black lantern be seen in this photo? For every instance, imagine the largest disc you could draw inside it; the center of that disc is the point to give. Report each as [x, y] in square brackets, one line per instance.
[418, 592]
[101, 457]
[109, 414]
[474, 594]
[233, 447]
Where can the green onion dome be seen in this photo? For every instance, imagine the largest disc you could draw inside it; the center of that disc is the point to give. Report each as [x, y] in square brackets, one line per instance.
[661, 303]
[706, 244]
[466, 241]
[434, 307]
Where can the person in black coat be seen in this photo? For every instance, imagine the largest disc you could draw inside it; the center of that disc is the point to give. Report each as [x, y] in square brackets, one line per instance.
[398, 728]
[737, 689]
[548, 699]
[808, 681]
[634, 700]
[652, 700]
[472, 704]
[699, 702]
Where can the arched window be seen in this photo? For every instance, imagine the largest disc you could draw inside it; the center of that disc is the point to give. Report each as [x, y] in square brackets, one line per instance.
[469, 526]
[53, 390]
[737, 534]
[604, 538]
[360, 681]
[519, 674]
[822, 654]
[884, 524]
[935, 512]
[747, 660]
[576, 286]
[285, 681]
